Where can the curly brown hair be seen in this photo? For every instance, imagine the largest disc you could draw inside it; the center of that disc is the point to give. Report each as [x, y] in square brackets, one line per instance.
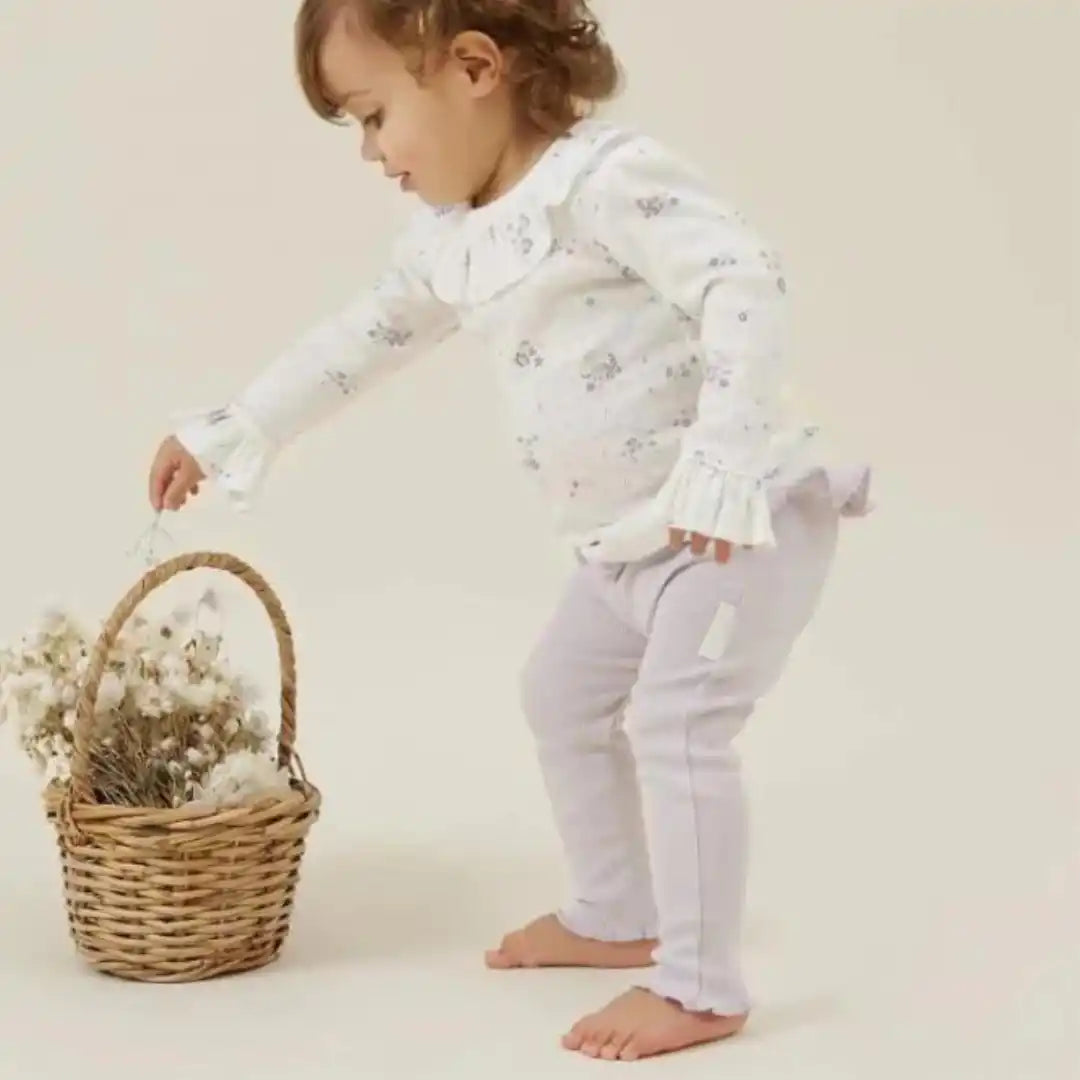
[561, 67]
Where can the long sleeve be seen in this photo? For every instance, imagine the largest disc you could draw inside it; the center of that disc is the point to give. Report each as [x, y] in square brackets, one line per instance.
[654, 218]
[327, 367]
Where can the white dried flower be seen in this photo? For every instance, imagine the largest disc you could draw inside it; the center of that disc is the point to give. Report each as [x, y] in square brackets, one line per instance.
[198, 695]
[166, 687]
[204, 651]
[242, 775]
[53, 621]
[258, 723]
[111, 692]
[174, 666]
[29, 714]
[57, 769]
[153, 700]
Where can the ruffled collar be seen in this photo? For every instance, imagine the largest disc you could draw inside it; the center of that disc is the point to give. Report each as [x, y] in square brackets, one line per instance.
[482, 251]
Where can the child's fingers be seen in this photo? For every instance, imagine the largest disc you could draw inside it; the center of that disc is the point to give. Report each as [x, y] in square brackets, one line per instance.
[699, 544]
[179, 487]
[153, 481]
[160, 477]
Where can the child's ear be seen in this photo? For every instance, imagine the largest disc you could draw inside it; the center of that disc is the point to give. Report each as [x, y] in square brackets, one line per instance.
[481, 61]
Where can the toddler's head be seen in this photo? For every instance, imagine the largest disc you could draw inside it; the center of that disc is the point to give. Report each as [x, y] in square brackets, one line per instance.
[446, 90]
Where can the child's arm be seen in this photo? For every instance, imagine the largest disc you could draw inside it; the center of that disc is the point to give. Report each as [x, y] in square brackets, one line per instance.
[326, 368]
[656, 218]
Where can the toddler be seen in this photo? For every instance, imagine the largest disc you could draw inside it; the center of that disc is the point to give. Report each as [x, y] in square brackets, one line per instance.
[635, 324]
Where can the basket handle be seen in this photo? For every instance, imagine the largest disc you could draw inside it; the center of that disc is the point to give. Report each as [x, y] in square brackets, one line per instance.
[153, 579]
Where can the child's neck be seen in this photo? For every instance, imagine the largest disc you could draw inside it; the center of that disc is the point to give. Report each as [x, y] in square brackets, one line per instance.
[515, 160]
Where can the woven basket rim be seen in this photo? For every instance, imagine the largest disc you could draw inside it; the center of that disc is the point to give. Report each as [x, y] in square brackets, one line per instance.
[302, 796]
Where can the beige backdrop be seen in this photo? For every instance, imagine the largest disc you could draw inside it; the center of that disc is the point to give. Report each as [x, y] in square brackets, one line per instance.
[170, 216]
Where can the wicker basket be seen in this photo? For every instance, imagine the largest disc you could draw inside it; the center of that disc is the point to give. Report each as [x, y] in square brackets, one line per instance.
[187, 894]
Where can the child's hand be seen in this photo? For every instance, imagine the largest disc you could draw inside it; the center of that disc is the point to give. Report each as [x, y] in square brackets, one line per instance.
[174, 475]
[699, 544]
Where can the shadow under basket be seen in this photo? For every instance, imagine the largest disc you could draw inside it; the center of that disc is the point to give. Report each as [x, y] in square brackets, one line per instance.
[180, 895]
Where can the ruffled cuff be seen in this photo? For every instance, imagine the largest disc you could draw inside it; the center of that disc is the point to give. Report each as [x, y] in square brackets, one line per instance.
[703, 497]
[231, 450]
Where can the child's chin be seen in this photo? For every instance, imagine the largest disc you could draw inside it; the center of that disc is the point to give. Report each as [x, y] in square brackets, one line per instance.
[437, 200]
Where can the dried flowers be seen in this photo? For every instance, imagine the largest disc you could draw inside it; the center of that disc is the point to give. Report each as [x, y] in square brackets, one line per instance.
[172, 724]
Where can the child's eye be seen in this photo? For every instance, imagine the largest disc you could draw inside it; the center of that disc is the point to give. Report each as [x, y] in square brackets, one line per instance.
[374, 119]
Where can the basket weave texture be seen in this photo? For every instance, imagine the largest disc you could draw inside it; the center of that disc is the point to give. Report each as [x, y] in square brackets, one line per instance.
[185, 894]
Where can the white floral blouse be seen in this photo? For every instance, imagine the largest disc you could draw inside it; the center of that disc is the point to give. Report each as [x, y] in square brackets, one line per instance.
[636, 327]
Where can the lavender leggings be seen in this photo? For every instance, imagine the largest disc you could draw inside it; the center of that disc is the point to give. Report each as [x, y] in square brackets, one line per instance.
[635, 694]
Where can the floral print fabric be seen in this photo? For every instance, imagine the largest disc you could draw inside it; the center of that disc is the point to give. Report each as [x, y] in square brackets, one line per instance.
[636, 325]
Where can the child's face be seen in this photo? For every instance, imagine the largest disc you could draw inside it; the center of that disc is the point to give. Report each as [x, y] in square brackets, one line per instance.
[440, 137]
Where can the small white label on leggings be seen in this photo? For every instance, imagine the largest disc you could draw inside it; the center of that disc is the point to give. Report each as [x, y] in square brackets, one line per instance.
[718, 635]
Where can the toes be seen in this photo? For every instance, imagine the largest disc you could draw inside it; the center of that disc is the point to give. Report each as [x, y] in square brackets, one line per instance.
[575, 1039]
[596, 1040]
[497, 960]
[616, 1044]
[507, 956]
[592, 1046]
[632, 1050]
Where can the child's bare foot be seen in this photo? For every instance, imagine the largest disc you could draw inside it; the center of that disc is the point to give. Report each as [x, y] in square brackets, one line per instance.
[547, 943]
[639, 1024]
